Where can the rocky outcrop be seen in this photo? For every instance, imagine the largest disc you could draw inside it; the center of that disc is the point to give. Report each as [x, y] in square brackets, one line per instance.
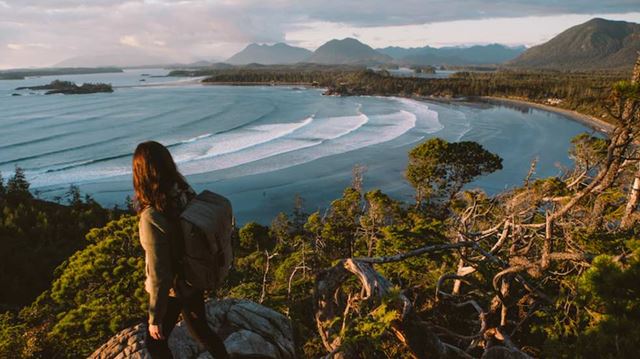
[248, 330]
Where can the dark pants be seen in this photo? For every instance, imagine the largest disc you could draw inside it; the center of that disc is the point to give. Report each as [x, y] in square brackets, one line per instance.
[192, 309]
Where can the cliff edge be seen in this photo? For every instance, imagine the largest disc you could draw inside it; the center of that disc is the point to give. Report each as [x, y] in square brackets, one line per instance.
[247, 328]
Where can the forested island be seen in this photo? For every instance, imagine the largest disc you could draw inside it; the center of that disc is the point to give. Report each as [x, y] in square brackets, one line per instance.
[548, 269]
[69, 88]
[424, 69]
[21, 74]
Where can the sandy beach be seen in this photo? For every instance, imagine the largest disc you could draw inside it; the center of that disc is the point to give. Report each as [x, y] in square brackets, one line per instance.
[593, 122]
[590, 121]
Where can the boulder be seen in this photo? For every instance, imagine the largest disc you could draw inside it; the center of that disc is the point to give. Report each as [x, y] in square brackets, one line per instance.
[249, 330]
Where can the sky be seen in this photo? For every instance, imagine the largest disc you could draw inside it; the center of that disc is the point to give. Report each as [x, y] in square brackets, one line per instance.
[38, 33]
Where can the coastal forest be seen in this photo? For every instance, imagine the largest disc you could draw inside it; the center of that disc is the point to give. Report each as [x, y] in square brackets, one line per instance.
[584, 92]
[548, 269]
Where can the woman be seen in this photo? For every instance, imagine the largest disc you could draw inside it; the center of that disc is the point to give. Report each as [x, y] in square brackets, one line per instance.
[162, 193]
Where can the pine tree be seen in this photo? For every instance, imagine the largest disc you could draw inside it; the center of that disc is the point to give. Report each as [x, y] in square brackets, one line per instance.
[17, 185]
[3, 190]
[73, 195]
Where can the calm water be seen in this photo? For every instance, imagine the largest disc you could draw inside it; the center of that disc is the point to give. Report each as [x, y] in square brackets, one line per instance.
[257, 145]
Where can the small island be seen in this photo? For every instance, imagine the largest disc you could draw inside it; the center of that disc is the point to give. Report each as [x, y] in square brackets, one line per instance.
[70, 88]
[424, 69]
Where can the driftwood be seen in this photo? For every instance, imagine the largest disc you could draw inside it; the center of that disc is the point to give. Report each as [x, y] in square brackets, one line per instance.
[409, 329]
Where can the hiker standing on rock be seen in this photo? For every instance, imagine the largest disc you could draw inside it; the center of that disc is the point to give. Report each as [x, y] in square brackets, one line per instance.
[163, 195]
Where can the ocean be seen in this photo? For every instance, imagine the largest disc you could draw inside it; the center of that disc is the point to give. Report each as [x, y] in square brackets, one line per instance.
[258, 145]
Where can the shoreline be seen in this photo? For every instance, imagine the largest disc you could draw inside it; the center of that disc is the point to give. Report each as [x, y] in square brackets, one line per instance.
[590, 121]
[245, 191]
[176, 83]
[593, 122]
[257, 83]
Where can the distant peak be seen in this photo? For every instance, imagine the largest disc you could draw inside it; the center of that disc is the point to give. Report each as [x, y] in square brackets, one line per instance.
[277, 44]
[345, 40]
[595, 44]
[268, 54]
[351, 39]
[600, 21]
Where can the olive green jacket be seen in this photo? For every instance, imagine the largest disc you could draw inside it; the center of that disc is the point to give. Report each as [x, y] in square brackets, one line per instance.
[155, 236]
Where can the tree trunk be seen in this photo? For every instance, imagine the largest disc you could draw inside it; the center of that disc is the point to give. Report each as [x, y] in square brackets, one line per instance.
[629, 218]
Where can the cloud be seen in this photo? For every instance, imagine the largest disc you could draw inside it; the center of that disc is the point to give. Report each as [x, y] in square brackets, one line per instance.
[57, 4]
[412, 12]
[129, 40]
[19, 47]
[188, 29]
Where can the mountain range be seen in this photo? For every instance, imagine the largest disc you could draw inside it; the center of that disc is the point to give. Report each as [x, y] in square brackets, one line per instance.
[595, 44]
[279, 53]
[346, 52]
[350, 51]
[473, 55]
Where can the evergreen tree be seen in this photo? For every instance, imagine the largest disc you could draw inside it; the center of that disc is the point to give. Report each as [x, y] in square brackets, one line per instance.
[74, 198]
[17, 185]
[440, 169]
[3, 190]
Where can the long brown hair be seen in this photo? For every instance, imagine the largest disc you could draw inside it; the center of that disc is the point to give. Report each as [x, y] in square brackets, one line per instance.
[154, 174]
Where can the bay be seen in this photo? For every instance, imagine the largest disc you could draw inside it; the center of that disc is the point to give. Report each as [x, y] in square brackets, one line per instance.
[258, 145]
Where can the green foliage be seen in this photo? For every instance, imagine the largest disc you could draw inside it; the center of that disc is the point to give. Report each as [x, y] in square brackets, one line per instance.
[254, 236]
[280, 230]
[70, 88]
[37, 236]
[3, 189]
[610, 292]
[369, 335]
[626, 90]
[18, 186]
[366, 335]
[438, 168]
[552, 186]
[587, 151]
[587, 92]
[12, 341]
[97, 292]
[339, 226]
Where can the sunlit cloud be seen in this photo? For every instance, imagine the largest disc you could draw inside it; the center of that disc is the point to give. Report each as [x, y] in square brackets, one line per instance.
[215, 29]
[19, 47]
[129, 40]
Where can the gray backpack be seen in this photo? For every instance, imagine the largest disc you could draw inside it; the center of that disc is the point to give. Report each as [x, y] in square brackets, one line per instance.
[207, 224]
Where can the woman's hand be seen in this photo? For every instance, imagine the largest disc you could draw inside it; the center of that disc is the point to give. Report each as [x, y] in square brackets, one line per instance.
[156, 331]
